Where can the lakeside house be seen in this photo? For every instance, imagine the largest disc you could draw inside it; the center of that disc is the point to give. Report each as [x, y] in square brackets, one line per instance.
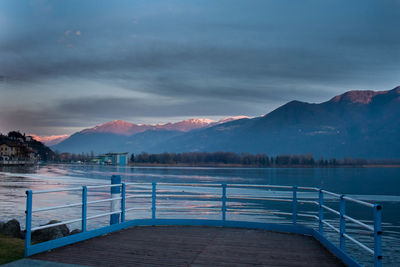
[15, 151]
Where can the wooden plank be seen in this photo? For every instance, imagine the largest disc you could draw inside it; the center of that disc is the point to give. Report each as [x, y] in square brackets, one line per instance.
[194, 246]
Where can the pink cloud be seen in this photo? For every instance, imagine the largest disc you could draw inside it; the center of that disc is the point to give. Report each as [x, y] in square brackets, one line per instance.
[50, 140]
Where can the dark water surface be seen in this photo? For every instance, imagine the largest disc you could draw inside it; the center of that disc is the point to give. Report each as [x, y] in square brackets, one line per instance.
[379, 185]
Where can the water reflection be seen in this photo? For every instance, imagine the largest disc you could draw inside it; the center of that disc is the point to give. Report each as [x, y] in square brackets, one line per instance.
[373, 184]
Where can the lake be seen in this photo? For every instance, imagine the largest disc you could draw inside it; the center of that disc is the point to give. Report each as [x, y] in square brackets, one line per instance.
[380, 185]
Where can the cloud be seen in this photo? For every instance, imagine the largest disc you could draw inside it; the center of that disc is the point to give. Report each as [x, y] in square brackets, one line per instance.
[212, 64]
[191, 59]
[257, 53]
[75, 112]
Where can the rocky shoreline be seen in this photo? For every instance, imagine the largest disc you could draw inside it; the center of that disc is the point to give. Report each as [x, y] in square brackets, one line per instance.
[13, 228]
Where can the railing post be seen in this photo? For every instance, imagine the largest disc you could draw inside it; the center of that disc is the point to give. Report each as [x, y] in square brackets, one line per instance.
[123, 203]
[377, 235]
[223, 202]
[153, 206]
[342, 223]
[28, 222]
[294, 211]
[321, 212]
[115, 204]
[84, 208]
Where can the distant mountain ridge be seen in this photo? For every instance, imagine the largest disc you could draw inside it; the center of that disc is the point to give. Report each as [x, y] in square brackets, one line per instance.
[119, 131]
[50, 140]
[357, 96]
[128, 129]
[363, 124]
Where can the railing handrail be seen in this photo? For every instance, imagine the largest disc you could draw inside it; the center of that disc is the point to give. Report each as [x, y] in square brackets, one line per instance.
[56, 190]
[216, 185]
[224, 197]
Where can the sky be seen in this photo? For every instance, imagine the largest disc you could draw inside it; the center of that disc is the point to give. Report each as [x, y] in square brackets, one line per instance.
[71, 64]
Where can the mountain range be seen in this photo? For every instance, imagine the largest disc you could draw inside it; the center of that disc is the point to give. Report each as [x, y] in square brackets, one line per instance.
[127, 128]
[364, 124]
[119, 134]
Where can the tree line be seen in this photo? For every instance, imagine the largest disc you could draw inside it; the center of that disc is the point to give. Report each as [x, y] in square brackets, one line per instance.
[226, 158]
[67, 157]
[231, 158]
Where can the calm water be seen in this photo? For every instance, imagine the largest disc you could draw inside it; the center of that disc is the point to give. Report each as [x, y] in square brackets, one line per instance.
[380, 185]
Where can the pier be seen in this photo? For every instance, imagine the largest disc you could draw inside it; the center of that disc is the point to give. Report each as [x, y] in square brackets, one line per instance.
[171, 234]
[194, 246]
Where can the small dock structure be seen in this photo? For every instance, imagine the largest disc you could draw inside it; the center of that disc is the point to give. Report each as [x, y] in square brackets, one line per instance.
[194, 246]
[114, 158]
[170, 234]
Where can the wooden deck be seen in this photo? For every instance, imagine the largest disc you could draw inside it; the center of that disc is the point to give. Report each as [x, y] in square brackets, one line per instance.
[194, 246]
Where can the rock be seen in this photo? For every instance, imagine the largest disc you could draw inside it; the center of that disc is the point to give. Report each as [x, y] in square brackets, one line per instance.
[1, 227]
[64, 228]
[11, 228]
[50, 233]
[75, 231]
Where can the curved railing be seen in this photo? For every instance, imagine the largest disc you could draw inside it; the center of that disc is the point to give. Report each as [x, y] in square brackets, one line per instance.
[226, 199]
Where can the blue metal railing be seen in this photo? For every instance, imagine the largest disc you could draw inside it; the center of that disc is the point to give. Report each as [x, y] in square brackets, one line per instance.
[239, 192]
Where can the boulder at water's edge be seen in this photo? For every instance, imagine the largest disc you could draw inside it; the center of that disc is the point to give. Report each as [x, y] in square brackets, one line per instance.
[50, 233]
[11, 228]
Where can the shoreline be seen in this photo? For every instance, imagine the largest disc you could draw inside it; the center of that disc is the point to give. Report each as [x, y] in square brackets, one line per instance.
[220, 165]
[258, 166]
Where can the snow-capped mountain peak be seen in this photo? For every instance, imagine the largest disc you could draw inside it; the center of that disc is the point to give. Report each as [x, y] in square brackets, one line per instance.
[128, 128]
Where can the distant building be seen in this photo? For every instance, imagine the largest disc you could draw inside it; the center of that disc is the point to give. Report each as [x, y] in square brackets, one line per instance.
[9, 150]
[15, 151]
[103, 160]
[5, 151]
[118, 159]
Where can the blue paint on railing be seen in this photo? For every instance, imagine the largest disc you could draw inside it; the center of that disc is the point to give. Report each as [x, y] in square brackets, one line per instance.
[119, 193]
[342, 223]
[84, 208]
[377, 235]
[320, 212]
[115, 191]
[294, 205]
[123, 203]
[153, 200]
[349, 261]
[223, 202]
[28, 222]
